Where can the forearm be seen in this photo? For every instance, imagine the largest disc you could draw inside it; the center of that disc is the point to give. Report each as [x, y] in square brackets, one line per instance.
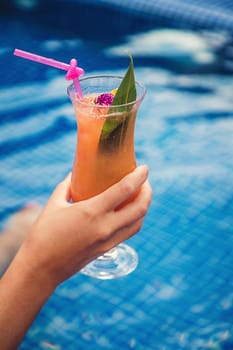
[22, 294]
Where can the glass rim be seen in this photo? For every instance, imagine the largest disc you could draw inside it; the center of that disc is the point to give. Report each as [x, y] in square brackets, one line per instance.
[71, 91]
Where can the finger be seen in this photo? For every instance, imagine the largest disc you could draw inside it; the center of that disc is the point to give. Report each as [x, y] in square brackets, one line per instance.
[128, 231]
[120, 221]
[121, 235]
[117, 194]
[134, 210]
[62, 193]
[129, 219]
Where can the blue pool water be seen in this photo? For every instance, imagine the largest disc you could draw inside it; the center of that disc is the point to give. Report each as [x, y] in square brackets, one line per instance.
[181, 295]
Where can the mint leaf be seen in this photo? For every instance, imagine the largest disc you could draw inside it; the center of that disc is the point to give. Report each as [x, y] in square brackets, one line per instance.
[115, 126]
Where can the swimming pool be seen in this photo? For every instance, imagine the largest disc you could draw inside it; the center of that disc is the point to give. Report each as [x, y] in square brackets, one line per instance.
[181, 295]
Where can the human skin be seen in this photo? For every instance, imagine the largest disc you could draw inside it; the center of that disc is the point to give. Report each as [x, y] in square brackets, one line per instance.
[65, 237]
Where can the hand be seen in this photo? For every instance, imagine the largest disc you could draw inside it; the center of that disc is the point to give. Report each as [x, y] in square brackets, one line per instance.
[68, 236]
[64, 238]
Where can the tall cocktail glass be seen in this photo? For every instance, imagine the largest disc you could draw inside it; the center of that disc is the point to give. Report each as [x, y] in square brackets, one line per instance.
[104, 154]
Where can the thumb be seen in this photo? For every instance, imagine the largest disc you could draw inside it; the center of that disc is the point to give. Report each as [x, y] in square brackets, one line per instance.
[62, 194]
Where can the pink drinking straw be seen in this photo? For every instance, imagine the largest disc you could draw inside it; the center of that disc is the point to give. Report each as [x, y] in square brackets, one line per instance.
[73, 71]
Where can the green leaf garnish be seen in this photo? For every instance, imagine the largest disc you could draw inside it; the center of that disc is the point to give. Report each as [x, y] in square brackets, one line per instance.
[115, 126]
[126, 92]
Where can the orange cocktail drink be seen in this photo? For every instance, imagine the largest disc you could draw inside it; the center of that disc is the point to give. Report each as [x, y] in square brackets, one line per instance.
[106, 108]
[103, 156]
[105, 153]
